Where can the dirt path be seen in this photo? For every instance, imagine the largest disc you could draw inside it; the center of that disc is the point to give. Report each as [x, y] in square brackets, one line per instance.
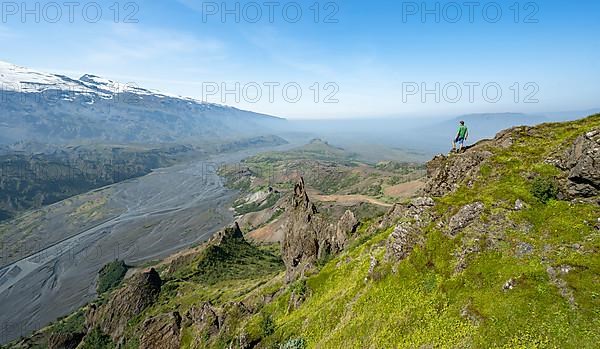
[404, 190]
[346, 199]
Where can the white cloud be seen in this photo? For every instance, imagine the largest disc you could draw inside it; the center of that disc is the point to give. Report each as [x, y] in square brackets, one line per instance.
[126, 43]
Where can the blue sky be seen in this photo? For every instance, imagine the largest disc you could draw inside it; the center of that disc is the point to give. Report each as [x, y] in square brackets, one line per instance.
[364, 58]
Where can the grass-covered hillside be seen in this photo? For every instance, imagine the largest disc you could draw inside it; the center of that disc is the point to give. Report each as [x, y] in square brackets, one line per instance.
[325, 168]
[501, 251]
[531, 276]
[336, 178]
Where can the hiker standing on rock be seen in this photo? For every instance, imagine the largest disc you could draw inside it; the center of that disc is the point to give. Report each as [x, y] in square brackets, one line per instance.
[461, 137]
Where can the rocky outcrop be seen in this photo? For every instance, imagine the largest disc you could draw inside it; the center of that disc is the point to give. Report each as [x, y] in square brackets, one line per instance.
[582, 161]
[161, 332]
[418, 209]
[305, 234]
[205, 318]
[520, 205]
[139, 292]
[465, 216]
[64, 340]
[232, 312]
[232, 232]
[402, 241]
[477, 235]
[468, 248]
[210, 322]
[446, 173]
[309, 236]
[410, 219]
[556, 276]
[346, 225]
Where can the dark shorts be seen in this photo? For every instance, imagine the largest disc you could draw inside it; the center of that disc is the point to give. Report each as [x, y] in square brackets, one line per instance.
[460, 141]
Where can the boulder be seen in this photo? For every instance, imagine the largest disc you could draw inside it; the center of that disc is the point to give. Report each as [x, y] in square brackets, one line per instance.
[582, 161]
[520, 205]
[509, 285]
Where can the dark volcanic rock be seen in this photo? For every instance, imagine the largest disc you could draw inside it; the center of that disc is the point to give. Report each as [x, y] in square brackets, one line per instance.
[139, 292]
[161, 332]
[64, 340]
[231, 232]
[446, 173]
[582, 161]
[206, 318]
[305, 234]
[309, 236]
[345, 226]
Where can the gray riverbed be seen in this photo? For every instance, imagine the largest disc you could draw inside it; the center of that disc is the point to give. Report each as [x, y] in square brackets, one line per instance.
[155, 216]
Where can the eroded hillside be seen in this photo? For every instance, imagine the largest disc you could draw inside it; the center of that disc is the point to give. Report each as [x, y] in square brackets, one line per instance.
[500, 249]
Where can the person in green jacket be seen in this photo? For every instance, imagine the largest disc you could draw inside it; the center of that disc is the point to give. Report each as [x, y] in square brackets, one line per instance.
[461, 137]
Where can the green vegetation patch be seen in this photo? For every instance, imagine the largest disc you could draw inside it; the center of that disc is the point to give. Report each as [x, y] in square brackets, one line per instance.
[269, 202]
[111, 275]
[97, 340]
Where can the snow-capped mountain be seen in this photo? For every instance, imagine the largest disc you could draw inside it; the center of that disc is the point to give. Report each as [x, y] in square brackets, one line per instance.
[20, 79]
[56, 108]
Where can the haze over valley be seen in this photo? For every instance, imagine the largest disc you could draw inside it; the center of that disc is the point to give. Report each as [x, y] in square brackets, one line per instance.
[334, 175]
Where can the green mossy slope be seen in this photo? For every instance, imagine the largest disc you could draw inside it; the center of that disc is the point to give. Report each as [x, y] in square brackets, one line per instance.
[513, 278]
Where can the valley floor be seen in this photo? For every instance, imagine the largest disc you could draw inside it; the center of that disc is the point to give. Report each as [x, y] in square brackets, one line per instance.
[139, 220]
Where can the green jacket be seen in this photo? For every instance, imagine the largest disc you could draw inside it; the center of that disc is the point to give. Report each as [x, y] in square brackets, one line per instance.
[462, 132]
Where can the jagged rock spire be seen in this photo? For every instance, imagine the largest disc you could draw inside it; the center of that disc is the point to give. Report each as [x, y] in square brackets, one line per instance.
[300, 198]
[309, 236]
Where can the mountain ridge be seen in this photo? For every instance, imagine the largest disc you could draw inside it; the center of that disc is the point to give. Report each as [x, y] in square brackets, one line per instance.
[54, 108]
